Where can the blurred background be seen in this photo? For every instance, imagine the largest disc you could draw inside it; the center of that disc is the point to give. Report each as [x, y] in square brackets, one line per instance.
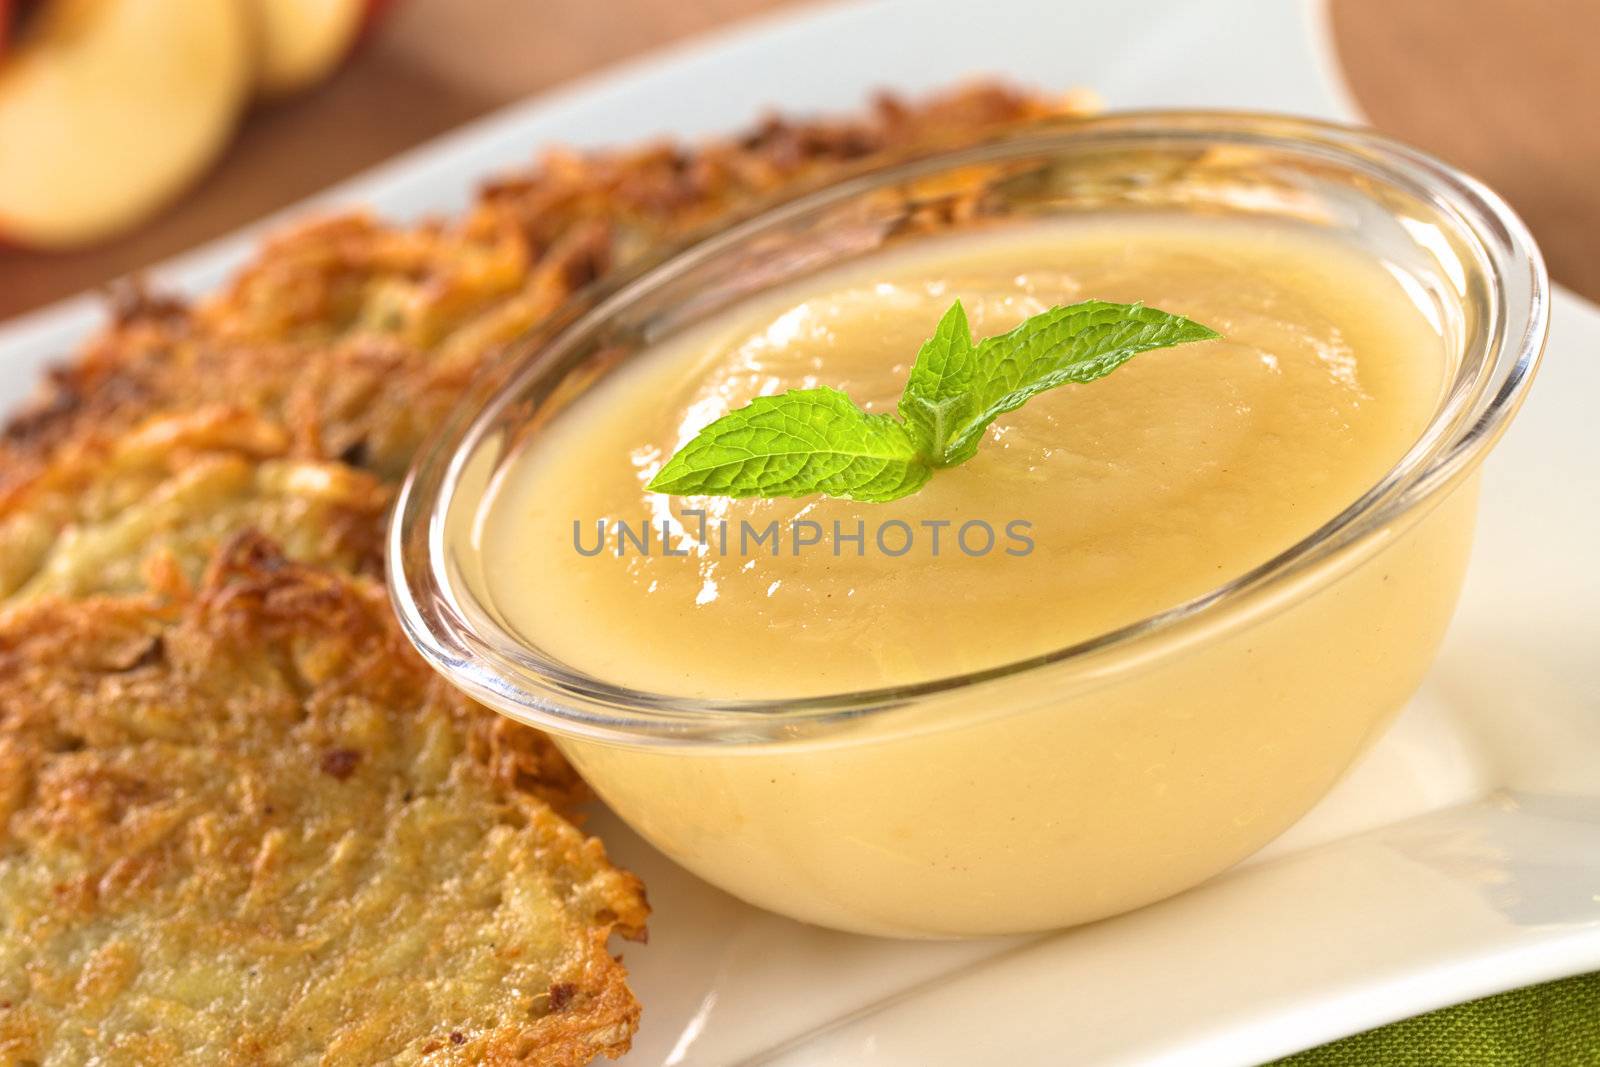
[262, 102]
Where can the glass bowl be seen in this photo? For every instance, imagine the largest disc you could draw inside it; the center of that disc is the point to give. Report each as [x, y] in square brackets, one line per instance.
[1098, 777]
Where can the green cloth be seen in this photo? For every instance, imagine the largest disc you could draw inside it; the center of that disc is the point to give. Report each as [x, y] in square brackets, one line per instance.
[1551, 1025]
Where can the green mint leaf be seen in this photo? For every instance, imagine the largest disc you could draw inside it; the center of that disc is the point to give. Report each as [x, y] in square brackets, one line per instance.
[938, 395]
[798, 443]
[810, 441]
[1065, 345]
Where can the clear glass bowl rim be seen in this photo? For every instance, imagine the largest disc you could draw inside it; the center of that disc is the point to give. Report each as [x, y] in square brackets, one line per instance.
[498, 670]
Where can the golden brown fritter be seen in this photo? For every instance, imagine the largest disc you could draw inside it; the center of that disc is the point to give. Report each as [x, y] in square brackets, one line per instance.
[364, 402]
[577, 215]
[252, 827]
[151, 507]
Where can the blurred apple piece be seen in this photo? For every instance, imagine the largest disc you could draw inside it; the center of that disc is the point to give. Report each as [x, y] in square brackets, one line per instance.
[301, 42]
[109, 108]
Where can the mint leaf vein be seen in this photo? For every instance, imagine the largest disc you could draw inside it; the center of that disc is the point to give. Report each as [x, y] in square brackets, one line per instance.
[809, 441]
[798, 443]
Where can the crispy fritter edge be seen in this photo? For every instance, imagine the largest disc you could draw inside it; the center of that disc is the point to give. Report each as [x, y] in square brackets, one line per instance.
[250, 586]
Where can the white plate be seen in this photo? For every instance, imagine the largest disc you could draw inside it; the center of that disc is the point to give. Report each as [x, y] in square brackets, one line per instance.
[1460, 858]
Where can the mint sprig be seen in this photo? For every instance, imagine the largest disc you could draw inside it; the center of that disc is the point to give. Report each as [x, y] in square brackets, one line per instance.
[797, 443]
[808, 441]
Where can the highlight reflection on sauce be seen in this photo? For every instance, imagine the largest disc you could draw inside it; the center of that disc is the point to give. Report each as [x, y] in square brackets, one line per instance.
[1182, 470]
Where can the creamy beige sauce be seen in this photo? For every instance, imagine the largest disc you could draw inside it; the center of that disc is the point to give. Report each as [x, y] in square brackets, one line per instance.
[1180, 471]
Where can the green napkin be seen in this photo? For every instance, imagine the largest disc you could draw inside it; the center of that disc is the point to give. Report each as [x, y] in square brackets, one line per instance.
[1551, 1025]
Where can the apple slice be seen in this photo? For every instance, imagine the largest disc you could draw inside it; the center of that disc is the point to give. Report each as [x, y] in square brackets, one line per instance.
[108, 108]
[300, 42]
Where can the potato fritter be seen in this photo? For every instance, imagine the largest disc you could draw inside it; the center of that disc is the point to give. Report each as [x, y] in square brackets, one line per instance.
[252, 827]
[365, 402]
[151, 507]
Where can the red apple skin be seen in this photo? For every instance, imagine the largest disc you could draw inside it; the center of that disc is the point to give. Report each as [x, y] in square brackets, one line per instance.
[14, 15]
[371, 19]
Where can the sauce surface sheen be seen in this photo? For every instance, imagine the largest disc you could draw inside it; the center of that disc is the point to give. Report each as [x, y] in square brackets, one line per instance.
[1184, 469]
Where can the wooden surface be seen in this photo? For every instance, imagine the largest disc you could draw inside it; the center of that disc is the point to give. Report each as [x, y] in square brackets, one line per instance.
[1508, 89]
